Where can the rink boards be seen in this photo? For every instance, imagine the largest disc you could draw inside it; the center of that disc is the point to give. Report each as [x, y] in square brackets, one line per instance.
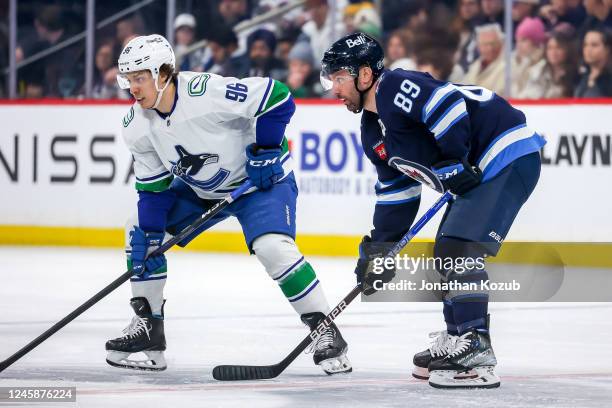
[66, 178]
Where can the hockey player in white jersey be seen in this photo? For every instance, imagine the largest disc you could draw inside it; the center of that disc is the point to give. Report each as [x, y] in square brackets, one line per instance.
[195, 137]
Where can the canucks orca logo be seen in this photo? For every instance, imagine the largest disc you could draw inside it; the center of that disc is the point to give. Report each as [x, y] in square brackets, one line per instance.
[189, 165]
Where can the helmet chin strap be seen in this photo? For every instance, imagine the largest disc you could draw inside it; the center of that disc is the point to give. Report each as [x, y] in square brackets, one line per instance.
[362, 93]
[160, 92]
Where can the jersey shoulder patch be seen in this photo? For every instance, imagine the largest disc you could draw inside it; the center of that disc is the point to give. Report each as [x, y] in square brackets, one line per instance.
[127, 119]
[197, 85]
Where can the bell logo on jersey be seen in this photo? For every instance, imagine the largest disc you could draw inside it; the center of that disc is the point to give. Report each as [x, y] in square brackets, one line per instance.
[360, 40]
[380, 150]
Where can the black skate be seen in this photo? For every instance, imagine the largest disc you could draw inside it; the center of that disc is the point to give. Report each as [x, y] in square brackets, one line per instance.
[442, 344]
[144, 334]
[470, 365]
[329, 347]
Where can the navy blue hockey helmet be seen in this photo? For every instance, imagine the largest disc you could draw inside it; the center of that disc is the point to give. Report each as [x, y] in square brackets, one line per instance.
[351, 52]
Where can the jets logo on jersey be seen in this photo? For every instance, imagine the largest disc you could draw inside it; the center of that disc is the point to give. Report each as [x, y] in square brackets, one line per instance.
[197, 85]
[189, 165]
[380, 150]
[417, 172]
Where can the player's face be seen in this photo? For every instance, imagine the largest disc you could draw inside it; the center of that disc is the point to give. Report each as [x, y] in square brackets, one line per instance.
[142, 88]
[344, 88]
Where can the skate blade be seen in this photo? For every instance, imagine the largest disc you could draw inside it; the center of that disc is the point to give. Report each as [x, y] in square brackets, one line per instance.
[155, 361]
[420, 373]
[480, 377]
[336, 365]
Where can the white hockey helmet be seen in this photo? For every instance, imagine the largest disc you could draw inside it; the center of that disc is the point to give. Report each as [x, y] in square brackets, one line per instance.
[147, 52]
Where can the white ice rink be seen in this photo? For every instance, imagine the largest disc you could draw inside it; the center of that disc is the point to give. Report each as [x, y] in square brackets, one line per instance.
[223, 309]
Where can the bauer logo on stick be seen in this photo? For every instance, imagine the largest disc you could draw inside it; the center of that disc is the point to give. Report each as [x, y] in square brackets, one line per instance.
[418, 172]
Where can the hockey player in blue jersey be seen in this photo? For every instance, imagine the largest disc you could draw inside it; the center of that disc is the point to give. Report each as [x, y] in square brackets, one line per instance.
[195, 137]
[464, 138]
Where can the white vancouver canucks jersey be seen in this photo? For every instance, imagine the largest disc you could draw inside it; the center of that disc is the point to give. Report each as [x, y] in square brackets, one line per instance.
[203, 139]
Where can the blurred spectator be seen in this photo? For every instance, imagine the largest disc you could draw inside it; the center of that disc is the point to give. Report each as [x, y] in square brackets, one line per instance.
[530, 38]
[598, 15]
[302, 79]
[555, 76]
[285, 41]
[398, 13]
[438, 63]
[184, 36]
[398, 50]
[261, 46]
[233, 11]
[468, 17]
[105, 75]
[225, 59]
[522, 9]
[493, 11]
[319, 29]
[367, 21]
[596, 81]
[488, 70]
[563, 11]
[59, 74]
[127, 29]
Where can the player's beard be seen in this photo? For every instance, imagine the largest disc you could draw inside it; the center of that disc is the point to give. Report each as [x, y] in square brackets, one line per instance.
[351, 105]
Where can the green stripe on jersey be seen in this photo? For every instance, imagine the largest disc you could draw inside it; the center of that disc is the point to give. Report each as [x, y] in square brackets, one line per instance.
[297, 281]
[155, 187]
[279, 93]
[160, 270]
[284, 145]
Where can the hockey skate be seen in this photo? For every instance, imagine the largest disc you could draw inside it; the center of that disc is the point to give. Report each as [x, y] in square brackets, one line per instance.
[442, 344]
[470, 365]
[145, 334]
[329, 348]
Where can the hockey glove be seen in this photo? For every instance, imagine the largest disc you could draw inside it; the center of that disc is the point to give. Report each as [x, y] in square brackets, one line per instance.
[457, 176]
[264, 166]
[370, 267]
[143, 243]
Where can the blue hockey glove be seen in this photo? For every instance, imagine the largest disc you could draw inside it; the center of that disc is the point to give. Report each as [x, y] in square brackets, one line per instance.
[458, 176]
[143, 243]
[366, 276]
[264, 166]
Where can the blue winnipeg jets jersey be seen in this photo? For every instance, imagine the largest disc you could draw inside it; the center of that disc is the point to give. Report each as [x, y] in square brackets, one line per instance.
[425, 121]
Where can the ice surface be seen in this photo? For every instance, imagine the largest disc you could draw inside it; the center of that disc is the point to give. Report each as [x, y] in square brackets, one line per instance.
[223, 309]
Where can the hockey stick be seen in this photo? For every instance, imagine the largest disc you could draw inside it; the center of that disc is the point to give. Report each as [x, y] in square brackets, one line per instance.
[245, 372]
[214, 210]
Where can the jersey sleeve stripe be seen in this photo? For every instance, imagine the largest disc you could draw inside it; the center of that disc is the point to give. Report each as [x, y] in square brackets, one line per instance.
[436, 99]
[153, 178]
[399, 196]
[396, 202]
[513, 145]
[449, 118]
[280, 93]
[155, 187]
[265, 97]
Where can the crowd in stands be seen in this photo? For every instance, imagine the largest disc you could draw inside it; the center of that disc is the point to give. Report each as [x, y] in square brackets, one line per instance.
[560, 48]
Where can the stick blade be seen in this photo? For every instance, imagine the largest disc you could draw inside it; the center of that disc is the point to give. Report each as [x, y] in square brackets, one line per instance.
[240, 372]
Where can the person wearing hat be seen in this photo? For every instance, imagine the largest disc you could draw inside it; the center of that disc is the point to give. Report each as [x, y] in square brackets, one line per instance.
[302, 80]
[261, 45]
[530, 38]
[184, 36]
